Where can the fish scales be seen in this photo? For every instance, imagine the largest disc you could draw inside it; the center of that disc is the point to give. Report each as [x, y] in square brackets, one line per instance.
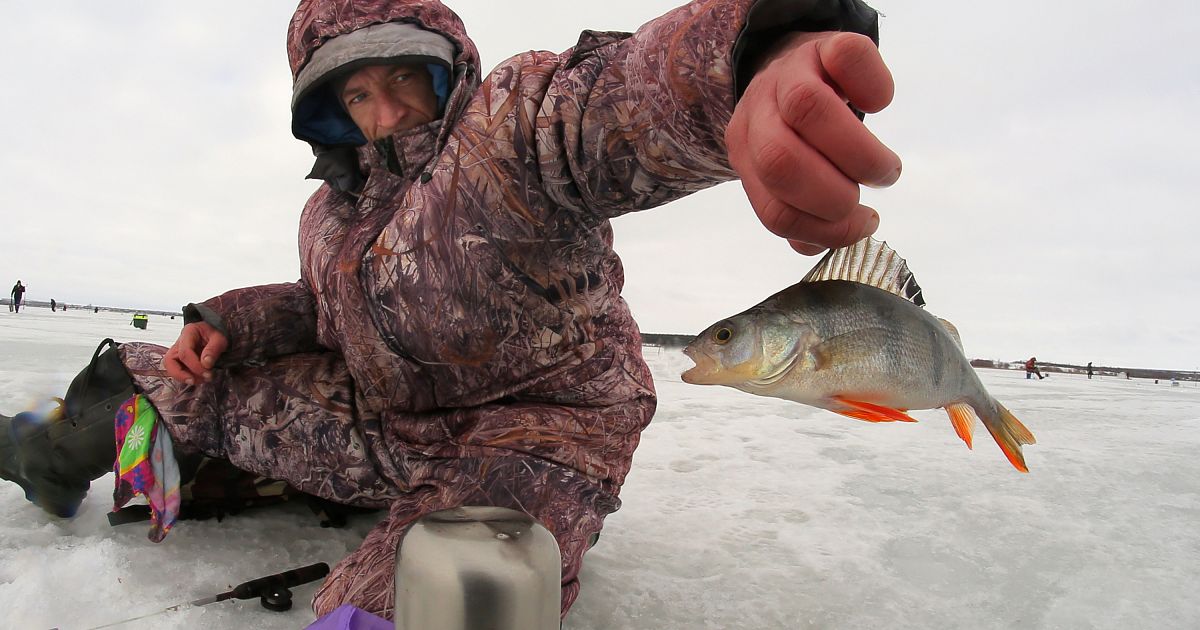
[852, 338]
[910, 359]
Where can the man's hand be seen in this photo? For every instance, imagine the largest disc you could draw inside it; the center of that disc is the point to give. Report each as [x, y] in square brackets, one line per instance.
[195, 353]
[800, 151]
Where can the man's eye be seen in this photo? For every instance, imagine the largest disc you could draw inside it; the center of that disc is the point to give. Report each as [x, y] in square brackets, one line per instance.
[401, 77]
[357, 98]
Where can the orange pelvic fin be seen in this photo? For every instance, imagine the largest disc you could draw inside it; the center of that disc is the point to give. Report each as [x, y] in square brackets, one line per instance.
[963, 419]
[1010, 434]
[870, 412]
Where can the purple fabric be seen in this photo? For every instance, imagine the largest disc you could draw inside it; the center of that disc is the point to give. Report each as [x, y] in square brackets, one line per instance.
[348, 617]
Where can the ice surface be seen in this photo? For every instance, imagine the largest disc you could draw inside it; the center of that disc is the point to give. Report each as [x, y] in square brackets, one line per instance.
[740, 512]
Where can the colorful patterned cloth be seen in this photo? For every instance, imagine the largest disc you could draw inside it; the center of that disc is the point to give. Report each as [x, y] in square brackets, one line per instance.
[146, 464]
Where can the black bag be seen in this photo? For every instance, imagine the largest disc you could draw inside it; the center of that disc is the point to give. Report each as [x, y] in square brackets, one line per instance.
[214, 488]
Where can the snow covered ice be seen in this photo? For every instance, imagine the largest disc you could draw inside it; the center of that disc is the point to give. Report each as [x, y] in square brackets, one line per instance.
[740, 512]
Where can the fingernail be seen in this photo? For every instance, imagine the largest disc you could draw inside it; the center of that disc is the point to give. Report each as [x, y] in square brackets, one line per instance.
[189, 381]
[893, 177]
[890, 179]
[872, 224]
[208, 376]
[807, 249]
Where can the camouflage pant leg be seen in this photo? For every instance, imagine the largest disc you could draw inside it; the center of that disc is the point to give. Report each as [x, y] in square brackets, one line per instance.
[567, 503]
[291, 419]
[563, 463]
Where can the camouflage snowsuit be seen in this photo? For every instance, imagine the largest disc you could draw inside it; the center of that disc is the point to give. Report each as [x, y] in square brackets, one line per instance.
[457, 335]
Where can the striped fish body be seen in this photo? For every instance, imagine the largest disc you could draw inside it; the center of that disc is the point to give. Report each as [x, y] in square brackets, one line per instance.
[853, 338]
[864, 343]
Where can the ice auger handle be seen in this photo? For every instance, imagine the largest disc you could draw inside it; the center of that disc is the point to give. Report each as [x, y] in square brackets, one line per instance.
[263, 586]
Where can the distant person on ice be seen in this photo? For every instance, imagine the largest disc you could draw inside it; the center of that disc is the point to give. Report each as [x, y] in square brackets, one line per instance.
[18, 296]
[457, 334]
[1089, 368]
[1031, 368]
[53, 305]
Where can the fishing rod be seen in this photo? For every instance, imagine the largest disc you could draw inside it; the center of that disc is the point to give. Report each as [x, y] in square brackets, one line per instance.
[273, 592]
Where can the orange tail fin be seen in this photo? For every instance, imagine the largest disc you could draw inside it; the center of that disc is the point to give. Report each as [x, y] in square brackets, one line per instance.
[1010, 434]
[870, 412]
[963, 419]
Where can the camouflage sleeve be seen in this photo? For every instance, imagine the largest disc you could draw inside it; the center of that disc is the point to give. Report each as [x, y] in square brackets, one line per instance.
[261, 322]
[634, 121]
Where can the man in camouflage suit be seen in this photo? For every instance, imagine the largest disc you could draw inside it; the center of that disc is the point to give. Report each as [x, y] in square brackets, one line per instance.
[457, 335]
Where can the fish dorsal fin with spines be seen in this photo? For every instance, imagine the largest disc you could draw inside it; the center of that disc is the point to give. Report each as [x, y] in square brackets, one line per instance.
[869, 262]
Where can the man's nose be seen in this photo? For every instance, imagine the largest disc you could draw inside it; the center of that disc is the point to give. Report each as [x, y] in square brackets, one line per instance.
[391, 113]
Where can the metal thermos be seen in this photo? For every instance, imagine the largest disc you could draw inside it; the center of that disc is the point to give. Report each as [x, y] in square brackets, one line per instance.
[478, 568]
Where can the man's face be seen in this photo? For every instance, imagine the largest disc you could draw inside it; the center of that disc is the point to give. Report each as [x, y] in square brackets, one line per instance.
[384, 99]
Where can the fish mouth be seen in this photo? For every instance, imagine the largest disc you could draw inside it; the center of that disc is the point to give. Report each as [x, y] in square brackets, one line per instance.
[701, 373]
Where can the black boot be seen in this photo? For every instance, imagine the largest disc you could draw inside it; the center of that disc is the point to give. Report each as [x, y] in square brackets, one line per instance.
[54, 457]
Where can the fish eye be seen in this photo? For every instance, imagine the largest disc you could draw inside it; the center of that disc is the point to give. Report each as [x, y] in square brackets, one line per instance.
[722, 335]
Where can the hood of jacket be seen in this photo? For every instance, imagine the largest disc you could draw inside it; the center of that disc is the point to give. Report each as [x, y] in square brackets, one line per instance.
[322, 123]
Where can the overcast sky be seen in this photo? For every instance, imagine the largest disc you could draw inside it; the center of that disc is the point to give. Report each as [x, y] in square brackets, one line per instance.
[1047, 204]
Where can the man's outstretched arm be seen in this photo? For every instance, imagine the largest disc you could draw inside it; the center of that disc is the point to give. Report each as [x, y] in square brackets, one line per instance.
[716, 90]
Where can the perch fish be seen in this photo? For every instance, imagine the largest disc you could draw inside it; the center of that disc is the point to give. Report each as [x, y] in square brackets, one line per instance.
[852, 337]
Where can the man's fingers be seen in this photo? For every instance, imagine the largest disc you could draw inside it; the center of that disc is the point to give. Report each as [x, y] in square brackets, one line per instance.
[812, 86]
[854, 64]
[808, 249]
[171, 366]
[822, 120]
[213, 349]
[796, 174]
[187, 358]
[176, 368]
[819, 235]
[801, 227]
[799, 149]
[195, 353]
